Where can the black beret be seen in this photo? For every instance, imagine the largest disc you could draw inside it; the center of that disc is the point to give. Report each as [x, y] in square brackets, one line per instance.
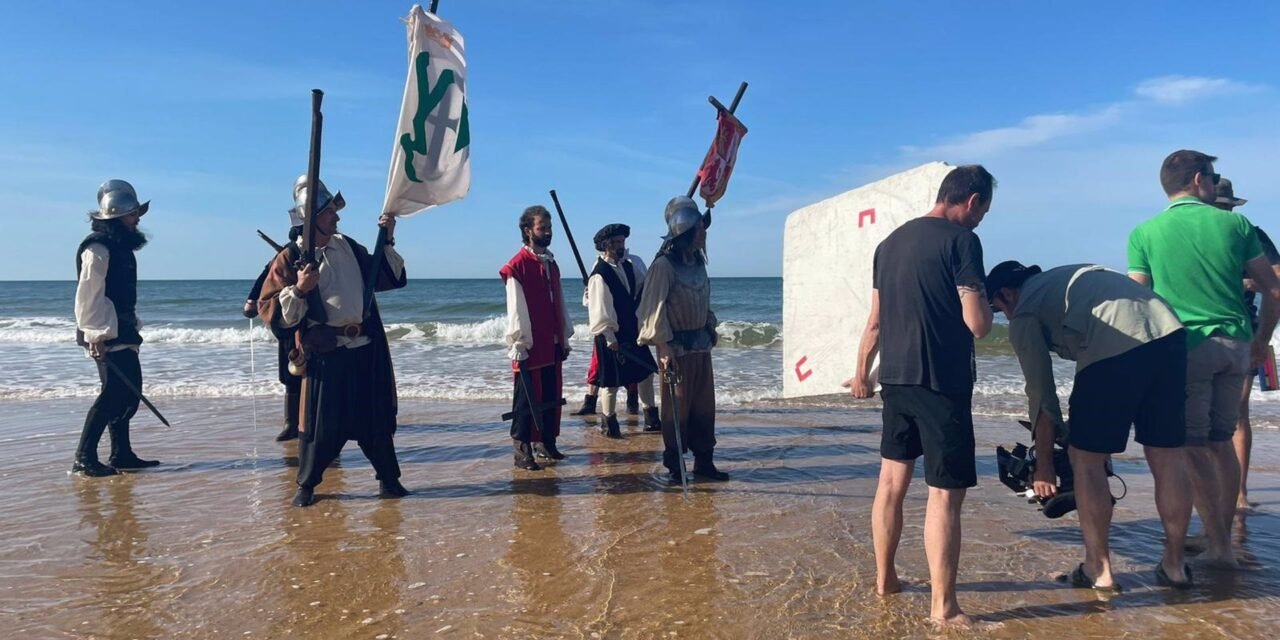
[609, 231]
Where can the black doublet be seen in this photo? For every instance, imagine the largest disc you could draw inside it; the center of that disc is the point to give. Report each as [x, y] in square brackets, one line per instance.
[631, 363]
[121, 288]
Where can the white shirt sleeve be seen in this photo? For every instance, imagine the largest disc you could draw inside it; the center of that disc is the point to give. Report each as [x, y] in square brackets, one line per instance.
[293, 306]
[519, 335]
[95, 313]
[394, 260]
[600, 312]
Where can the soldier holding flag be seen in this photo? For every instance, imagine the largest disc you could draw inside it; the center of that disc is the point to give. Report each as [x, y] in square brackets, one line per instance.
[349, 388]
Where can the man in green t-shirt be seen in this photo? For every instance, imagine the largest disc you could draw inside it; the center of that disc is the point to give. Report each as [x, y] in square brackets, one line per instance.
[1192, 254]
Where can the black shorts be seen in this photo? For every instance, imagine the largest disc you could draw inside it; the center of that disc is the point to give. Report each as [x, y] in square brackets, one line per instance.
[920, 421]
[1145, 387]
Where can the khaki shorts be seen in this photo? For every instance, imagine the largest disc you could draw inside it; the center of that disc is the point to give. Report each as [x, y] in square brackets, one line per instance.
[1216, 370]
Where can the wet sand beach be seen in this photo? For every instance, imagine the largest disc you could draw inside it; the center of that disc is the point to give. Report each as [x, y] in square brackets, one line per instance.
[598, 546]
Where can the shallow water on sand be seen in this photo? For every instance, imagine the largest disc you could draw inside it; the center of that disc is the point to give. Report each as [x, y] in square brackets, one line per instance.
[599, 546]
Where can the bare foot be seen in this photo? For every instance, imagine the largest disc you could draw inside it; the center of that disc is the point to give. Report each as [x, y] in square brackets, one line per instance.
[1231, 563]
[957, 620]
[888, 586]
[1221, 562]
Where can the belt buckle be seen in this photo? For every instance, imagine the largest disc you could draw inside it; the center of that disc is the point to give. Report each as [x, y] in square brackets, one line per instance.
[351, 331]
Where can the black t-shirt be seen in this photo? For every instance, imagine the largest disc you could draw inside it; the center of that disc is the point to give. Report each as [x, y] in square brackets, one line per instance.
[1251, 298]
[923, 338]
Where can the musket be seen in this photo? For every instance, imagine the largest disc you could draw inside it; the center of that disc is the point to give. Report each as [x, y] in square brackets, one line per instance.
[569, 233]
[313, 180]
[274, 245]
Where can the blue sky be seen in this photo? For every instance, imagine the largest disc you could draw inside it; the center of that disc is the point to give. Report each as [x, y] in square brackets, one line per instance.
[204, 107]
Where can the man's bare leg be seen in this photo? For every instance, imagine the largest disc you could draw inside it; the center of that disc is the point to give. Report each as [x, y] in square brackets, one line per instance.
[1207, 489]
[1173, 503]
[886, 521]
[1093, 501]
[1243, 443]
[1224, 454]
[942, 547]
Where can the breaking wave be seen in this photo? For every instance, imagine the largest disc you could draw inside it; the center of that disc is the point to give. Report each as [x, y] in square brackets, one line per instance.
[54, 330]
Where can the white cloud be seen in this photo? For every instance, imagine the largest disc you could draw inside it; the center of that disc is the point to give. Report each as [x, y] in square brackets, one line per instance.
[1031, 131]
[1182, 89]
[1039, 129]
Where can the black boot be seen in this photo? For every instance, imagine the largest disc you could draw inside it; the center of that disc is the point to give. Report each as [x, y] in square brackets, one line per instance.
[92, 469]
[523, 454]
[290, 418]
[391, 489]
[305, 497]
[633, 403]
[122, 455]
[588, 406]
[671, 460]
[652, 423]
[86, 460]
[547, 450]
[704, 468]
[609, 425]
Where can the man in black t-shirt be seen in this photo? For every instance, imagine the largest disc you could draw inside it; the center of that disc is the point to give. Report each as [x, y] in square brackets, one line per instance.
[927, 305]
[1242, 439]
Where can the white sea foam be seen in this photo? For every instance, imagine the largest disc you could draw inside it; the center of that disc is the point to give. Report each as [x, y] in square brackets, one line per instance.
[53, 330]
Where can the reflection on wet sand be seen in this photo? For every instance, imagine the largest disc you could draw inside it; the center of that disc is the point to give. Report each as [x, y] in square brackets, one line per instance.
[596, 546]
[121, 596]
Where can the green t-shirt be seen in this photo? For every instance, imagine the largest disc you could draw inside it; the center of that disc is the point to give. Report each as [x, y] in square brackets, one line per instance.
[1194, 254]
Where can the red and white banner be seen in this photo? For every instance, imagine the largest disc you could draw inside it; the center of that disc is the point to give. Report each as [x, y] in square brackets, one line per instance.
[718, 165]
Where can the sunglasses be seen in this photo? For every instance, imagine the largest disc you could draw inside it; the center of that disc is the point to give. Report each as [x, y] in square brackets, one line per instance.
[1216, 177]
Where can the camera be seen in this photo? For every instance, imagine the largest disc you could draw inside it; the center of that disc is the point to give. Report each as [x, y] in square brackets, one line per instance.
[1017, 469]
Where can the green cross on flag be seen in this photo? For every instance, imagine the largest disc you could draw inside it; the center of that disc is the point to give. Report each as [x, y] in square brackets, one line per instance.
[431, 159]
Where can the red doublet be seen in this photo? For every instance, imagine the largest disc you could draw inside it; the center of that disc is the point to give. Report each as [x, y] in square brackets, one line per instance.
[540, 283]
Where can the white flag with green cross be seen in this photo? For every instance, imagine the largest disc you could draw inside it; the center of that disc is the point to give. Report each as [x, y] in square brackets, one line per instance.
[431, 157]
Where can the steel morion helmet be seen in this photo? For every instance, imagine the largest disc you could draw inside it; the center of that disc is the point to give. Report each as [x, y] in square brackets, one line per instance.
[117, 199]
[682, 215]
[323, 198]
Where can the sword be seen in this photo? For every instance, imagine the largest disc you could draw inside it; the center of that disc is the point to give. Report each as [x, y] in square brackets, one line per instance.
[669, 377]
[550, 404]
[111, 366]
[534, 409]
